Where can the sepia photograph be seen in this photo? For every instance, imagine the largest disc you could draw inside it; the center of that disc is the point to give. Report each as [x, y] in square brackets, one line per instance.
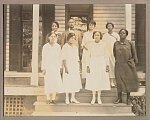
[74, 60]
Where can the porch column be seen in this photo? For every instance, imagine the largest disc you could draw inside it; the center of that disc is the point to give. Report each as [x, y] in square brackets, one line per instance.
[34, 77]
[7, 36]
[128, 19]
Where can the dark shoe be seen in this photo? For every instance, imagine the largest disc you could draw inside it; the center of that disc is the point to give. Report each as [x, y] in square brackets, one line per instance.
[48, 102]
[128, 98]
[128, 102]
[54, 101]
[118, 101]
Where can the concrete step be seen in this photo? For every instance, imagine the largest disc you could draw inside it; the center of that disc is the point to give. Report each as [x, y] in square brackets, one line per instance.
[78, 114]
[108, 108]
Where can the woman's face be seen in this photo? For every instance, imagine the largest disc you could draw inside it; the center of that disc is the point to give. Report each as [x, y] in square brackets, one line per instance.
[109, 27]
[91, 26]
[122, 34]
[52, 38]
[54, 27]
[72, 39]
[97, 37]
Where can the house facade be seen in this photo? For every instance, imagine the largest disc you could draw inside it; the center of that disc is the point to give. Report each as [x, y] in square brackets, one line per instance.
[25, 29]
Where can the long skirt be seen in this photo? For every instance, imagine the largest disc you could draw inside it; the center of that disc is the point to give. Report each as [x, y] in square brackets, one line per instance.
[98, 78]
[126, 77]
[72, 80]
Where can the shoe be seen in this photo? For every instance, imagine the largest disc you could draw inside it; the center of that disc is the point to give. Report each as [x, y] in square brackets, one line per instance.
[93, 101]
[128, 102]
[54, 101]
[99, 101]
[113, 85]
[118, 101]
[128, 98]
[73, 100]
[48, 101]
[67, 101]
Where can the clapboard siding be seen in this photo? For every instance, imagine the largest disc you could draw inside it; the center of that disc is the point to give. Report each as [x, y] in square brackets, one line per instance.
[109, 5]
[103, 13]
[109, 11]
[108, 15]
[60, 16]
[115, 13]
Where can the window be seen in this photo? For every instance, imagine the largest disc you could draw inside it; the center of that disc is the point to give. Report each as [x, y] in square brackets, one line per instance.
[81, 13]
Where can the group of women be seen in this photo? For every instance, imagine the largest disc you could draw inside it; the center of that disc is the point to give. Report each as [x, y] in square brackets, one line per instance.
[104, 59]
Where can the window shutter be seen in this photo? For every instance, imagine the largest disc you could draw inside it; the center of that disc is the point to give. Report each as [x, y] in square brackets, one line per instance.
[48, 18]
[15, 37]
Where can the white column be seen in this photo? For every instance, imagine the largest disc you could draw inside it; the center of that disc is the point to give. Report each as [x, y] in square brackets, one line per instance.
[128, 11]
[34, 77]
[7, 36]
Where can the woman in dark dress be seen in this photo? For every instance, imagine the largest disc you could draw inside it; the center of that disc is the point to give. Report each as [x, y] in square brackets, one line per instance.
[125, 70]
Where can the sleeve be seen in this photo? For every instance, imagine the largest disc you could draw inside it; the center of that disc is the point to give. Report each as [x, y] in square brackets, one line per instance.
[63, 53]
[63, 38]
[103, 38]
[88, 56]
[43, 58]
[83, 40]
[133, 51]
[118, 37]
[106, 54]
[77, 54]
[80, 38]
[60, 60]
[59, 38]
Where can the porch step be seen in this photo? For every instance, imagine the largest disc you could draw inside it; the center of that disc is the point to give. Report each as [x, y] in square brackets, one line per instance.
[77, 114]
[85, 96]
[83, 109]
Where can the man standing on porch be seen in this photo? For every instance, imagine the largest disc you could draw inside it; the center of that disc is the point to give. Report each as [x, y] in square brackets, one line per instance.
[78, 34]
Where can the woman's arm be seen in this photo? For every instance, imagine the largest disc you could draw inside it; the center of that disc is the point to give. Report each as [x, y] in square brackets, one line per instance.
[43, 60]
[133, 51]
[106, 58]
[64, 56]
[65, 66]
[88, 59]
[114, 50]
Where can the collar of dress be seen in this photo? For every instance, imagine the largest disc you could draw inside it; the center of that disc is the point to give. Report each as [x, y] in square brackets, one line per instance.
[123, 43]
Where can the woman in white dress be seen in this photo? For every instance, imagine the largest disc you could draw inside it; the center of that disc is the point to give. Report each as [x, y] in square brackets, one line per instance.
[71, 74]
[51, 67]
[55, 27]
[97, 67]
[87, 39]
[110, 38]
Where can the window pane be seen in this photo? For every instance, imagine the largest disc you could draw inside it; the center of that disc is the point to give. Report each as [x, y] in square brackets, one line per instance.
[80, 22]
[27, 44]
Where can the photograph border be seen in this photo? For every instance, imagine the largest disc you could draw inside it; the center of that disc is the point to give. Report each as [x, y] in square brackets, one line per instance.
[147, 2]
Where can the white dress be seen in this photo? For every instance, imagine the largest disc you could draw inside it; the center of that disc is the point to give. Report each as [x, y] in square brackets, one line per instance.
[98, 78]
[72, 80]
[51, 62]
[110, 39]
[86, 41]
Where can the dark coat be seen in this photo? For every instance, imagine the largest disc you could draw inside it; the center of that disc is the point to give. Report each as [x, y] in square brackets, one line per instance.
[125, 69]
